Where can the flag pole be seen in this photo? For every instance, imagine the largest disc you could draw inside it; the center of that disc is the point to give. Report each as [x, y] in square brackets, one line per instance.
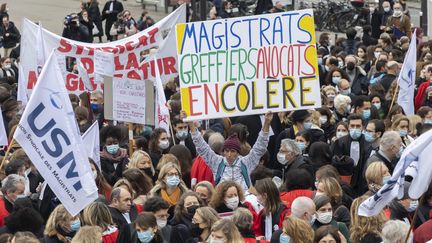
[172, 131]
[413, 219]
[130, 133]
[7, 152]
[394, 98]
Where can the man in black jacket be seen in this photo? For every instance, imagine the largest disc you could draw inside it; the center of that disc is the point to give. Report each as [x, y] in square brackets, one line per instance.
[109, 13]
[355, 146]
[122, 211]
[10, 35]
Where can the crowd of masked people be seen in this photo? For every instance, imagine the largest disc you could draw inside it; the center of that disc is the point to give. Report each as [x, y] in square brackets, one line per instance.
[119, 23]
[296, 176]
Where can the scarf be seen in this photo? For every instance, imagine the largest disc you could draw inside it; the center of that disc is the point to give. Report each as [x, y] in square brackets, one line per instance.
[121, 154]
[173, 198]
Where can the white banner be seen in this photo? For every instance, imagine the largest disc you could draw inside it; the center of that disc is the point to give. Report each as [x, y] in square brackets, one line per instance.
[162, 115]
[3, 135]
[48, 133]
[394, 187]
[407, 77]
[127, 53]
[91, 140]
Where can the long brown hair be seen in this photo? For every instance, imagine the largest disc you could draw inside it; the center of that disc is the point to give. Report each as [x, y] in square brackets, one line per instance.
[219, 196]
[266, 187]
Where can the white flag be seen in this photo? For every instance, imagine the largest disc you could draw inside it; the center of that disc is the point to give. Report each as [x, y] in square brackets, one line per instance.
[3, 135]
[407, 78]
[394, 187]
[162, 115]
[47, 133]
[82, 73]
[40, 48]
[22, 89]
[91, 140]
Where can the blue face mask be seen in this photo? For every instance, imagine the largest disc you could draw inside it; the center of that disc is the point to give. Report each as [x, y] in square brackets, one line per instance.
[377, 105]
[413, 206]
[284, 238]
[172, 181]
[386, 179]
[368, 137]
[403, 133]
[112, 149]
[301, 145]
[182, 134]
[355, 133]
[95, 107]
[366, 114]
[146, 236]
[75, 225]
[307, 125]
[399, 153]
[320, 61]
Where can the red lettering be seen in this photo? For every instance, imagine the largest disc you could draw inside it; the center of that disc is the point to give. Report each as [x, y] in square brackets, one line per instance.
[208, 94]
[280, 60]
[290, 62]
[80, 49]
[32, 78]
[152, 35]
[260, 61]
[71, 82]
[144, 68]
[129, 46]
[133, 75]
[132, 61]
[191, 101]
[118, 65]
[169, 65]
[142, 41]
[88, 64]
[120, 48]
[65, 46]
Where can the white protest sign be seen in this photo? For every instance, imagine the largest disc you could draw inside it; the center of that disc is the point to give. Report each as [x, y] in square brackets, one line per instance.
[104, 63]
[48, 134]
[129, 100]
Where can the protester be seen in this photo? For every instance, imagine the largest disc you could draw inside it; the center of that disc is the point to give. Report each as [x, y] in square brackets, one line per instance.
[88, 234]
[202, 222]
[61, 226]
[225, 230]
[109, 13]
[294, 230]
[146, 229]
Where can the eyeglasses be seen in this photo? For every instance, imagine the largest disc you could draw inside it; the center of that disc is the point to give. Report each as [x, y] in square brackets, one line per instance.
[173, 174]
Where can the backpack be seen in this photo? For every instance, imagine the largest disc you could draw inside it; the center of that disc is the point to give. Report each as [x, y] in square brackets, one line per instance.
[243, 168]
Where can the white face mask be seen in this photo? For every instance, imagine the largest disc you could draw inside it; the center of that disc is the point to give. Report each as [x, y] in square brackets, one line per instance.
[232, 203]
[325, 218]
[212, 240]
[341, 134]
[323, 119]
[161, 223]
[164, 144]
[281, 158]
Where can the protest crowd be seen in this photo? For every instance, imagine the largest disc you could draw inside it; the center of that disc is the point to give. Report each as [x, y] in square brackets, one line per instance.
[296, 176]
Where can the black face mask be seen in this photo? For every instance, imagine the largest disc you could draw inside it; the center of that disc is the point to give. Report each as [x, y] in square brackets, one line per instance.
[191, 210]
[196, 231]
[147, 171]
[350, 66]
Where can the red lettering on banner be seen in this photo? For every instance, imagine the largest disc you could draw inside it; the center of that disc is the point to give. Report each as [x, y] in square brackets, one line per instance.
[133, 75]
[129, 46]
[32, 78]
[118, 65]
[132, 61]
[191, 101]
[71, 82]
[88, 64]
[214, 98]
[65, 46]
[169, 65]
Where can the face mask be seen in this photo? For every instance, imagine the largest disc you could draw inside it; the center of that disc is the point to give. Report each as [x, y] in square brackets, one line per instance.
[320, 60]
[146, 236]
[368, 137]
[399, 153]
[163, 144]
[301, 146]
[196, 231]
[387, 9]
[397, 13]
[341, 134]
[21, 196]
[331, 97]
[316, 184]
[346, 92]
[413, 206]
[182, 135]
[232, 203]
[366, 114]
[312, 220]
[350, 66]
[75, 225]
[173, 181]
[355, 133]
[148, 171]
[307, 125]
[403, 133]
[213, 240]
[386, 179]
[191, 209]
[428, 121]
[281, 158]
[161, 223]
[112, 149]
[377, 54]
[377, 105]
[325, 218]
[323, 119]
[7, 66]
[94, 173]
[95, 107]
[336, 80]
[284, 238]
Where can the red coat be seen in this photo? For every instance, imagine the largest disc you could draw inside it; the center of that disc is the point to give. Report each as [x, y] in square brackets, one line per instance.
[259, 221]
[423, 233]
[420, 93]
[288, 197]
[200, 171]
[3, 211]
[110, 236]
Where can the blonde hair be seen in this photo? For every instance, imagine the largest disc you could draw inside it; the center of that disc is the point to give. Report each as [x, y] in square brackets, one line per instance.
[97, 214]
[242, 218]
[164, 170]
[374, 172]
[332, 189]
[88, 234]
[229, 229]
[413, 121]
[136, 157]
[361, 225]
[208, 214]
[59, 217]
[125, 182]
[398, 121]
[298, 230]
[168, 158]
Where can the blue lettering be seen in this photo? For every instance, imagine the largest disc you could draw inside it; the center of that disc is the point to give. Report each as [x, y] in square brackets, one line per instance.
[234, 34]
[263, 29]
[189, 33]
[307, 32]
[277, 28]
[71, 173]
[31, 121]
[250, 29]
[289, 24]
[203, 36]
[58, 150]
[219, 37]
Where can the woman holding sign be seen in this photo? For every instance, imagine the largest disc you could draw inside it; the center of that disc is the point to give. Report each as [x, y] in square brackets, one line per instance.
[232, 166]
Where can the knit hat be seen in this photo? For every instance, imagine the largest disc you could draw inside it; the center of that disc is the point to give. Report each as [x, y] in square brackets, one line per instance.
[299, 115]
[232, 142]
